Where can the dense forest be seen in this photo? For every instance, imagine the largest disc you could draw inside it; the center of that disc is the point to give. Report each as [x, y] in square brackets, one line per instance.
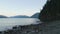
[50, 11]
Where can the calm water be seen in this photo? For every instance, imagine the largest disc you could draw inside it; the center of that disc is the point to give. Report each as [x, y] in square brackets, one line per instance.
[8, 23]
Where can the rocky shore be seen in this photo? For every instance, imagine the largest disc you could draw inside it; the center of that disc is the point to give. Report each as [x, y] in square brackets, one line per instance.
[24, 29]
[42, 28]
[50, 16]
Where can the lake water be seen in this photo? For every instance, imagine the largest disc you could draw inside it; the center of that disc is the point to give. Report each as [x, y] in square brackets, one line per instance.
[8, 23]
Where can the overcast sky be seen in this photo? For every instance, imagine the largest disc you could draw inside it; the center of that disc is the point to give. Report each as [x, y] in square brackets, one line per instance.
[20, 7]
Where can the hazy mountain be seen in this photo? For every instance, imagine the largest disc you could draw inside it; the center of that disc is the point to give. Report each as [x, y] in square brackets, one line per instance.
[2, 16]
[35, 15]
[20, 16]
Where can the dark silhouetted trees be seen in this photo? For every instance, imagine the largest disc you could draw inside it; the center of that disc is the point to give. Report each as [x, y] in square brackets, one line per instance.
[51, 11]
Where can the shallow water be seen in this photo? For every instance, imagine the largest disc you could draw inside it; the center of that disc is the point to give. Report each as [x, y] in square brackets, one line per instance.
[8, 23]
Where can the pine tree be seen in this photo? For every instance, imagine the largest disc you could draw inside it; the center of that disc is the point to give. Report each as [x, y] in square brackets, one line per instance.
[51, 11]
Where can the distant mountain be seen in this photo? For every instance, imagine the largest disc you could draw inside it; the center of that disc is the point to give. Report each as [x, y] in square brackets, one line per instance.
[35, 15]
[2, 16]
[20, 16]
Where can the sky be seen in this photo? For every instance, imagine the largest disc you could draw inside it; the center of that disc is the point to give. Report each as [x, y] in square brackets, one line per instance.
[20, 7]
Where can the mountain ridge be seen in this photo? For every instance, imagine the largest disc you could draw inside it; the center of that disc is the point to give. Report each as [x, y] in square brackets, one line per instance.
[2, 16]
[19, 16]
[36, 15]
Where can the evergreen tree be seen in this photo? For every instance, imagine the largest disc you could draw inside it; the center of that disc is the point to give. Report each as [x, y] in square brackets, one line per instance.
[51, 11]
